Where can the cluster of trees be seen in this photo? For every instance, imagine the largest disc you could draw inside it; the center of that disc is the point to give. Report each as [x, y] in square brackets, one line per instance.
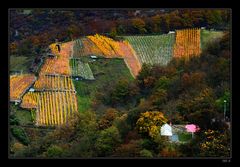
[182, 92]
[41, 27]
[33, 31]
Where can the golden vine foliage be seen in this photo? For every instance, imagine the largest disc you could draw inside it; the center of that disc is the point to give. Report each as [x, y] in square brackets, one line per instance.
[187, 43]
[150, 122]
[55, 100]
[111, 49]
[30, 100]
[55, 82]
[59, 64]
[55, 108]
[19, 84]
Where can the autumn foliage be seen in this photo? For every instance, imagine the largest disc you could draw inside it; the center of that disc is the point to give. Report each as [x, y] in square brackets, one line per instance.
[150, 122]
[113, 49]
[55, 82]
[187, 43]
[59, 64]
[19, 84]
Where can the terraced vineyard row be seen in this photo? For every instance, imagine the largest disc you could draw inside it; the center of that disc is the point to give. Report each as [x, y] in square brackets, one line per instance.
[54, 82]
[187, 43]
[59, 64]
[30, 100]
[156, 49]
[19, 84]
[85, 47]
[54, 97]
[54, 107]
[81, 69]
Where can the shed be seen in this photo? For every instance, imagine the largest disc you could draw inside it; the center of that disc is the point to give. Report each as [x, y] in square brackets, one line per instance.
[171, 32]
[93, 57]
[166, 130]
[31, 90]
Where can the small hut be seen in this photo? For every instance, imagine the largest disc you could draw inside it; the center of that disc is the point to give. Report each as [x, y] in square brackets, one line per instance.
[166, 130]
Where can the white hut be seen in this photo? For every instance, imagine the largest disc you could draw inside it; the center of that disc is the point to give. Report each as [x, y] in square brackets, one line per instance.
[166, 130]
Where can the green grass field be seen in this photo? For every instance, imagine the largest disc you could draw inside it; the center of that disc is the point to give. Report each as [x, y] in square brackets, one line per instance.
[18, 63]
[184, 137]
[208, 36]
[23, 116]
[105, 71]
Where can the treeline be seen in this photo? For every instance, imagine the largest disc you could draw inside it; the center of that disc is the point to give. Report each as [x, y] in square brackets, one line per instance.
[32, 31]
[183, 92]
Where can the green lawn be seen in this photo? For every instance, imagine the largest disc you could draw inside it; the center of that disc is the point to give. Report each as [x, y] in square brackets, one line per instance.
[18, 63]
[105, 71]
[23, 116]
[208, 36]
[184, 137]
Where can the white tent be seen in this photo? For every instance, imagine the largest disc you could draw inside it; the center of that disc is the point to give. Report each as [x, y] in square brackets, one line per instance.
[166, 130]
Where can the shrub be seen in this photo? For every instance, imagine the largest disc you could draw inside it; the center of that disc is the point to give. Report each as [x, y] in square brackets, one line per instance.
[20, 134]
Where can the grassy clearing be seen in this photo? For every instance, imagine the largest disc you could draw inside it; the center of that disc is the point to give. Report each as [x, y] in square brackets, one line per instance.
[23, 116]
[208, 36]
[18, 63]
[105, 71]
[184, 137]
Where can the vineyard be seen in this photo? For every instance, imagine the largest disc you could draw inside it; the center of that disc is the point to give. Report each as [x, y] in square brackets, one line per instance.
[60, 63]
[54, 96]
[106, 47]
[78, 68]
[30, 100]
[85, 47]
[55, 107]
[16, 89]
[54, 82]
[156, 49]
[187, 43]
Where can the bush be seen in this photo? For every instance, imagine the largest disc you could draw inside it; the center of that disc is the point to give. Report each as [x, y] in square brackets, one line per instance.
[20, 134]
[13, 120]
[146, 153]
[54, 151]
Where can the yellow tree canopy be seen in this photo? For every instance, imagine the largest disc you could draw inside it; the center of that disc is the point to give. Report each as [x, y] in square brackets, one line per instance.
[150, 123]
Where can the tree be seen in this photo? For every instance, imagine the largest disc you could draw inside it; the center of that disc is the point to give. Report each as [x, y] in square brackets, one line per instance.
[169, 151]
[149, 123]
[20, 134]
[146, 153]
[215, 144]
[54, 151]
[113, 33]
[158, 97]
[108, 118]
[106, 142]
[130, 149]
[139, 25]
[213, 18]
[156, 23]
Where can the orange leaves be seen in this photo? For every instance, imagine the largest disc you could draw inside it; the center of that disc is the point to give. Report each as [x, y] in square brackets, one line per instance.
[59, 64]
[30, 100]
[55, 82]
[111, 49]
[187, 43]
[106, 45]
[19, 84]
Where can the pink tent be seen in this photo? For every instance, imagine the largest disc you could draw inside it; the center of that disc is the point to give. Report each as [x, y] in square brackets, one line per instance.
[192, 128]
